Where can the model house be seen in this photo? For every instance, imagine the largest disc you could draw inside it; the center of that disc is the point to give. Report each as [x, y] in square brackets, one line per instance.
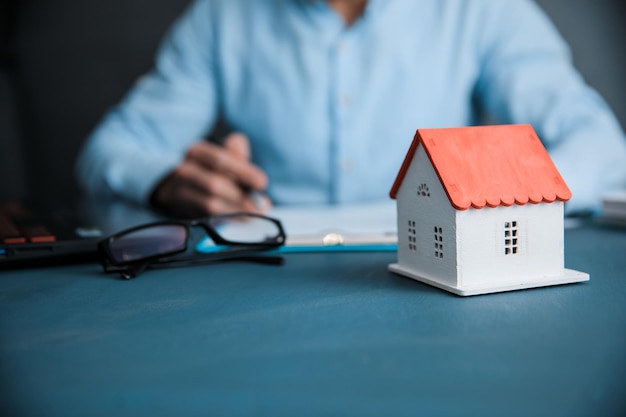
[480, 210]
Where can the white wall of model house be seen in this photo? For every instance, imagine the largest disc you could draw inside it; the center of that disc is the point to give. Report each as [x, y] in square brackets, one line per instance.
[418, 215]
[510, 244]
[474, 247]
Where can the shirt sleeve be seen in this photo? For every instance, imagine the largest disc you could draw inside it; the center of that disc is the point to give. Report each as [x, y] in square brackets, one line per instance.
[143, 138]
[527, 76]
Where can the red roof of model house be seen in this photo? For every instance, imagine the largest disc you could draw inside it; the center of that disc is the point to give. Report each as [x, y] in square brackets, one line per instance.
[489, 166]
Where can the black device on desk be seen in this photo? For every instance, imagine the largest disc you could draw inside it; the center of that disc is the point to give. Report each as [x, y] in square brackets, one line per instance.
[36, 233]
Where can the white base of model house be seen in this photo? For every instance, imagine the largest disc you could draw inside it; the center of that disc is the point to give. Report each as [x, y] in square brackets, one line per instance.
[569, 276]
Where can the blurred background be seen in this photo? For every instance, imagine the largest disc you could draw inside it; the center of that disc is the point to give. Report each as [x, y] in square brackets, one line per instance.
[63, 63]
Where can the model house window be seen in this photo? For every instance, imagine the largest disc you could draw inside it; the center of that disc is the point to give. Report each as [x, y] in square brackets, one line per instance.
[423, 190]
[511, 246]
[412, 236]
[438, 243]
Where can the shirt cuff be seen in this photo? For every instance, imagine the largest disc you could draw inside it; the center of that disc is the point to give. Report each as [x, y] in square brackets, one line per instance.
[137, 175]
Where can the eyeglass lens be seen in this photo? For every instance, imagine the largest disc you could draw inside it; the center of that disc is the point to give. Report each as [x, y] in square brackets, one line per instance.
[148, 242]
[246, 229]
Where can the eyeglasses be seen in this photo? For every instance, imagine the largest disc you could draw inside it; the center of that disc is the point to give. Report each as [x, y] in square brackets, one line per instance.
[166, 243]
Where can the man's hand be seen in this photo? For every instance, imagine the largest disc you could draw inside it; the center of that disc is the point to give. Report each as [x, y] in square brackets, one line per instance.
[213, 179]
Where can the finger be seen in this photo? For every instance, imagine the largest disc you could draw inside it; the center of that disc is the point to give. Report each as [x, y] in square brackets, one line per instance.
[185, 199]
[209, 183]
[238, 144]
[260, 204]
[178, 198]
[209, 205]
[188, 202]
[219, 159]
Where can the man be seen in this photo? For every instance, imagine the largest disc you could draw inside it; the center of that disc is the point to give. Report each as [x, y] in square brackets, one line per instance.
[324, 97]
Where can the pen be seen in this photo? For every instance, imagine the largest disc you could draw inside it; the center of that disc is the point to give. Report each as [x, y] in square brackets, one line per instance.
[257, 197]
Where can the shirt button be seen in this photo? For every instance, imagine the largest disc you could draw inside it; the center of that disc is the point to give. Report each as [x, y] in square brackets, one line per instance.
[345, 99]
[346, 165]
[342, 48]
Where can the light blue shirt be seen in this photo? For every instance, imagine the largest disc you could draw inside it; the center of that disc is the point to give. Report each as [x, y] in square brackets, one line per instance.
[331, 110]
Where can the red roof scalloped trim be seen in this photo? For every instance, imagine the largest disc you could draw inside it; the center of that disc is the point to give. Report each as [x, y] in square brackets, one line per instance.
[489, 166]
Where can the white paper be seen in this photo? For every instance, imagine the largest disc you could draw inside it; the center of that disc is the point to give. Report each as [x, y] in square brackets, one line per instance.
[371, 223]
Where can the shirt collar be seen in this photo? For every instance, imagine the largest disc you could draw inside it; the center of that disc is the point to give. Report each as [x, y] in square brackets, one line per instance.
[372, 6]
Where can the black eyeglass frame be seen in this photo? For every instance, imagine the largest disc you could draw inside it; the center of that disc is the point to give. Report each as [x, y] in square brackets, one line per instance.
[235, 250]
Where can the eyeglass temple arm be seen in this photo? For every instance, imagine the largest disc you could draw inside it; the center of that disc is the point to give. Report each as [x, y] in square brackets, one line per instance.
[261, 259]
[133, 271]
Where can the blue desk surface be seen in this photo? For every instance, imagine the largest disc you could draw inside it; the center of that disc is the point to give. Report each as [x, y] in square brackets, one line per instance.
[325, 334]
